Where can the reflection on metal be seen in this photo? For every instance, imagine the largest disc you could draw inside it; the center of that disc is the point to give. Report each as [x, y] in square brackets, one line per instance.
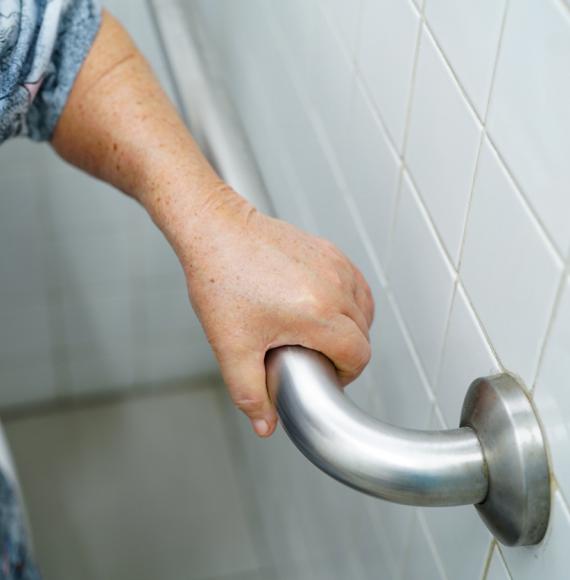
[496, 459]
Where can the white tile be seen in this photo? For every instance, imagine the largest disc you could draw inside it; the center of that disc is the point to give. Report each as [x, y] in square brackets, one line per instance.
[169, 361]
[23, 265]
[552, 396]
[345, 16]
[101, 366]
[21, 156]
[89, 260]
[509, 271]
[142, 489]
[76, 203]
[171, 343]
[95, 315]
[388, 36]
[27, 381]
[313, 169]
[263, 117]
[528, 114]
[497, 569]
[466, 356]
[241, 31]
[169, 314]
[421, 561]
[329, 86]
[395, 522]
[442, 147]
[401, 396]
[370, 168]
[421, 278]
[469, 36]
[551, 558]
[460, 536]
[461, 539]
[156, 260]
[294, 24]
[24, 329]
[19, 207]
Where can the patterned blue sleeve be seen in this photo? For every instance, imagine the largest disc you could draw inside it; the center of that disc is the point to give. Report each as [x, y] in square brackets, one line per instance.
[16, 562]
[43, 44]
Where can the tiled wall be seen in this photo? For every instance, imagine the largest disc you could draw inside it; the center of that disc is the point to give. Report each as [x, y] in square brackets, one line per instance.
[91, 296]
[431, 141]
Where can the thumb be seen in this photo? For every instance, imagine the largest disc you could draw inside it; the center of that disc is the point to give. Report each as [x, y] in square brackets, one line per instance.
[244, 375]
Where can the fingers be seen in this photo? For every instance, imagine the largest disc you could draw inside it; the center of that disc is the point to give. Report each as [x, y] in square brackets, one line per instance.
[244, 375]
[355, 313]
[361, 290]
[363, 297]
[342, 341]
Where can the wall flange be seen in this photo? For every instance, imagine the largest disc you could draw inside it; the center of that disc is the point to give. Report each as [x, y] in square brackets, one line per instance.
[517, 506]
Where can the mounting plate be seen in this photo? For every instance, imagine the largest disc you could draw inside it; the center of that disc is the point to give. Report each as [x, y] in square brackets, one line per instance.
[517, 506]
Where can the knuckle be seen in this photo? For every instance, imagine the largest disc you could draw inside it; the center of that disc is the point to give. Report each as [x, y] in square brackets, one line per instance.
[366, 353]
[249, 404]
[314, 304]
[361, 357]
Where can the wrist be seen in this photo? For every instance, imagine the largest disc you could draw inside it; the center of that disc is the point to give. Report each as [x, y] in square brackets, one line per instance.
[191, 216]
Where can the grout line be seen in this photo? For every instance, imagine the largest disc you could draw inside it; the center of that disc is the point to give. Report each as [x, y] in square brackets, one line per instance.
[59, 354]
[335, 31]
[73, 402]
[496, 63]
[488, 340]
[260, 572]
[411, 95]
[433, 548]
[394, 221]
[357, 43]
[563, 494]
[330, 156]
[411, 345]
[408, 548]
[499, 550]
[483, 121]
[455, 76]
[550, 243]
[435, 232]
[238, 457]
[401, 154]
[439, 365]
[550, 326]
[361, 81]
[435, 235]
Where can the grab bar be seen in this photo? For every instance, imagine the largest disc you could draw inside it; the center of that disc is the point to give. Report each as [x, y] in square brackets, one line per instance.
[495, 460]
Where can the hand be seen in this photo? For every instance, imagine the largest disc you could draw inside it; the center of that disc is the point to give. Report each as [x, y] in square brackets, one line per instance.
[257, 283]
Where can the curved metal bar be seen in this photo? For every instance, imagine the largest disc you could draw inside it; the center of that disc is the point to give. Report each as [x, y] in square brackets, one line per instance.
[407, 466]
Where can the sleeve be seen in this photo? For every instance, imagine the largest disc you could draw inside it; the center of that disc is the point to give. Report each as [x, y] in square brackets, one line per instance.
[43, 44]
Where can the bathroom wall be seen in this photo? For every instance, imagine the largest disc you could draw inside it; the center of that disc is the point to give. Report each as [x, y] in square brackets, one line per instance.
[430, 140]
[91, 297]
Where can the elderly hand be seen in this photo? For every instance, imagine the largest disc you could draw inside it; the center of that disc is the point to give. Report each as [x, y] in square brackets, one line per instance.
[257, 283]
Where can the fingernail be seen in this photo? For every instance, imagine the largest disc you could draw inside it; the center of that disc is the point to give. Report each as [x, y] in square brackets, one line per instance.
[260, 426]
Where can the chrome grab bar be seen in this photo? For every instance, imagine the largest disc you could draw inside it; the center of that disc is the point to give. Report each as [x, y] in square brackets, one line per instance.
[496, 459]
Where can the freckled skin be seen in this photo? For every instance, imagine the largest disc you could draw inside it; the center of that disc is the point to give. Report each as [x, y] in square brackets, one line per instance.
[255, 282]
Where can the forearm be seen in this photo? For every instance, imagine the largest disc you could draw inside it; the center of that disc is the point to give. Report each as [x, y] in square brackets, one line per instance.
[120, 126]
